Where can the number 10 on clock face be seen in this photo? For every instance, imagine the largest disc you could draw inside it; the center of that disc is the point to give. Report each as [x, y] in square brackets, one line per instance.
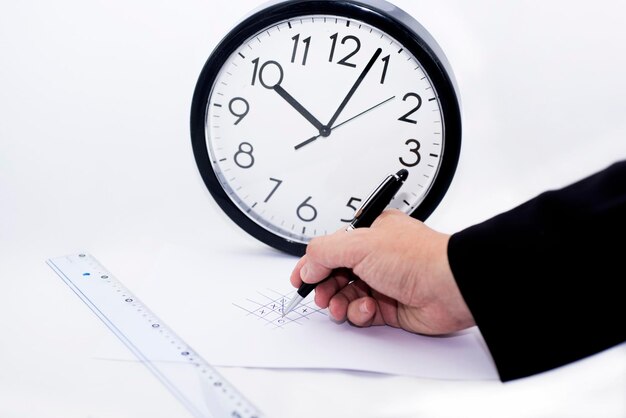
[302, 118]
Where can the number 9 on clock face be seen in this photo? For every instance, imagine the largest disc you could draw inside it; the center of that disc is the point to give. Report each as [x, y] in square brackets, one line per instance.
[305, 106]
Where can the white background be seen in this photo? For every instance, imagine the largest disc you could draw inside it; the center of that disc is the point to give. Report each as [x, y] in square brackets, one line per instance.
[95, 155]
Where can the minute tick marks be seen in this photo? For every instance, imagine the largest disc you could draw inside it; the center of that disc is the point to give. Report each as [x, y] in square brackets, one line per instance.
[314, 92]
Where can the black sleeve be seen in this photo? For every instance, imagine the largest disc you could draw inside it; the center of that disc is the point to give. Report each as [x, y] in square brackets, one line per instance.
[544, 280]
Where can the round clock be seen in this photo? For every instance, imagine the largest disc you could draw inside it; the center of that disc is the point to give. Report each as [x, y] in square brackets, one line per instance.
[305, 106]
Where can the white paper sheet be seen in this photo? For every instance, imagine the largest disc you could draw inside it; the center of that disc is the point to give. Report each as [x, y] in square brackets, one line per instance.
[235, 301]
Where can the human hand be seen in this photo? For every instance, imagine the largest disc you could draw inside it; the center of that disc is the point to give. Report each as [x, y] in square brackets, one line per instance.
[394, 273]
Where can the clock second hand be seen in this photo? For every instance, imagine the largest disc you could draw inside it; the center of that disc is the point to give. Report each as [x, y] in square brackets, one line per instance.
[308, 141]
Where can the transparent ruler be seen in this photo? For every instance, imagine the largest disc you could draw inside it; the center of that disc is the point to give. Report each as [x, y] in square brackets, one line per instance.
[193, 381]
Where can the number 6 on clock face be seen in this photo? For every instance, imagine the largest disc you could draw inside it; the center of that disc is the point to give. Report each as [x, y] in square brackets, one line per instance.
[307, 105]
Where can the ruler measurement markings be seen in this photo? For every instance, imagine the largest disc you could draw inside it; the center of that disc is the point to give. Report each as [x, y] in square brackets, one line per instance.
[157, 347]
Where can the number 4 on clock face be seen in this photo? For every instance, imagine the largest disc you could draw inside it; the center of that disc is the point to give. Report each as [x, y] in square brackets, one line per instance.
[297, 116]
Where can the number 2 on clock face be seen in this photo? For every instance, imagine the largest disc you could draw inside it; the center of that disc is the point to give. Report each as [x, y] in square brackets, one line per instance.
[311, 113]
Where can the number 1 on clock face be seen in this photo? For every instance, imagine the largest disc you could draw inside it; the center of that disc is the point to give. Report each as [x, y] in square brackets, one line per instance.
[310, 114]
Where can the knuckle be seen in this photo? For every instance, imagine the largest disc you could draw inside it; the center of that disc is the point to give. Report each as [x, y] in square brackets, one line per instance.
[387, 216]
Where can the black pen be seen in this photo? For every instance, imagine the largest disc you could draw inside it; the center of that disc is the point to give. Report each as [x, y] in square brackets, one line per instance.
[364, 217]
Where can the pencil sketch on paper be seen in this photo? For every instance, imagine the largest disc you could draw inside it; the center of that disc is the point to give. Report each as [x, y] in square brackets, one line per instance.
[268, 306]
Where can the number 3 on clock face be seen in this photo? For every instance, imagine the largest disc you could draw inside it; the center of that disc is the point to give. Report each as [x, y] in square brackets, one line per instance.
[306, 106]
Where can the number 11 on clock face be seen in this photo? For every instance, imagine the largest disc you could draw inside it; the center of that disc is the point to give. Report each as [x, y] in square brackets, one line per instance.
[306, 115]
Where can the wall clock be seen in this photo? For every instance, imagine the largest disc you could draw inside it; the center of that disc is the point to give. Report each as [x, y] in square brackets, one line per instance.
[306, 105]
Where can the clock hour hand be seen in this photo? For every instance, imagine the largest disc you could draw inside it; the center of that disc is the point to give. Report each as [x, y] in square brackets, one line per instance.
[312, 139]
[356, 85]
[301, 109]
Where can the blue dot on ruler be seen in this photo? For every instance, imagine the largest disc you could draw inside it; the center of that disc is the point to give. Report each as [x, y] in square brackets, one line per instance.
[86, 274]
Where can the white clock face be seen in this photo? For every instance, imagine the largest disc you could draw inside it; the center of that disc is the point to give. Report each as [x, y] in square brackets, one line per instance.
[309, 115]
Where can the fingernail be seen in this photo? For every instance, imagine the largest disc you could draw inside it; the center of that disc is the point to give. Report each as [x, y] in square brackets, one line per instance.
[304, 271]
[363, 307]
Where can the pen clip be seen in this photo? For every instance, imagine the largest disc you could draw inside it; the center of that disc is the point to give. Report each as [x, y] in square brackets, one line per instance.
[367, 202]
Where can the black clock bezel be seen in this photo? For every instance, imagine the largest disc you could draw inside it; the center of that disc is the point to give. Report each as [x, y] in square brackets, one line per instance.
[421, 45]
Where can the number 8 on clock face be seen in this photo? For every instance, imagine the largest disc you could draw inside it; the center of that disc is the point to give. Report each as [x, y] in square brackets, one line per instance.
[306, 106]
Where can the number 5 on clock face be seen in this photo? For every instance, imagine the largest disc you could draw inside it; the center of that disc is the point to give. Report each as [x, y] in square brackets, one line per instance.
[301, 111]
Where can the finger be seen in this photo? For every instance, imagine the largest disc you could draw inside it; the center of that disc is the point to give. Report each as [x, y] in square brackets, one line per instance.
[338, 305]
[341, 249]
[388, 309]
[327, 289]
[363, 312]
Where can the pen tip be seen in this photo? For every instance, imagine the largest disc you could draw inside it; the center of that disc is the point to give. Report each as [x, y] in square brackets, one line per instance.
[403, 174]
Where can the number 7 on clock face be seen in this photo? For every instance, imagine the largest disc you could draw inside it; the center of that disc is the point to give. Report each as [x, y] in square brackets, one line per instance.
[302, 117]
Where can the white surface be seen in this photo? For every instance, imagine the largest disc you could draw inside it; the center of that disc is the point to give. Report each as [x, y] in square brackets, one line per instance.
[95, 154]
[294, 341]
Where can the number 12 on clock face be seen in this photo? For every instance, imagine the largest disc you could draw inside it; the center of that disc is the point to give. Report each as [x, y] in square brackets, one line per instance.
[297, 117]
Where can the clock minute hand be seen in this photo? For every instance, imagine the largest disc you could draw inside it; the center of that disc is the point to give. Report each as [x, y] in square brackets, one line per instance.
[356, 85]
[296, 105]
